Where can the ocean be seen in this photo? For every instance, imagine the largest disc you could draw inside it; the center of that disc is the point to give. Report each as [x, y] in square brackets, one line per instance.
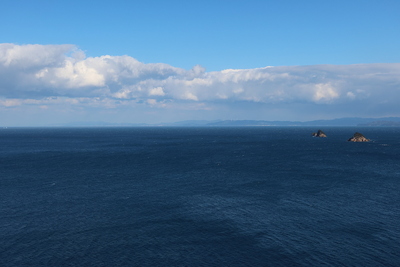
[159, 196]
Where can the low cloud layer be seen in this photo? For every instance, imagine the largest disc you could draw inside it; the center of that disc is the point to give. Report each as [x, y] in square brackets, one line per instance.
[49, 74]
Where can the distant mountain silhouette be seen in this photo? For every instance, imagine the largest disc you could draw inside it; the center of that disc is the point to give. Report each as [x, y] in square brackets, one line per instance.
[372, 122]
[382, 124]
[389, 121]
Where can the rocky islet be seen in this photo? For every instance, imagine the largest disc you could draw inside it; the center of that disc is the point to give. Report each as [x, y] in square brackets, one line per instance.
[319, 134]
[357, 137]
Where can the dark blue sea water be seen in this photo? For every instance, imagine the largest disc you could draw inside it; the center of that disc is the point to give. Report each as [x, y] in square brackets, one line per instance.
[260, 196]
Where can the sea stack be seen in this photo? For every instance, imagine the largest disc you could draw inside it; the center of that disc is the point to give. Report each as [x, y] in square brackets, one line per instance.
[319, 134]
[358, 138]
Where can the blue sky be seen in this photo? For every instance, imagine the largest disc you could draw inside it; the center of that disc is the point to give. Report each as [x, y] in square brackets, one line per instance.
[169, 60]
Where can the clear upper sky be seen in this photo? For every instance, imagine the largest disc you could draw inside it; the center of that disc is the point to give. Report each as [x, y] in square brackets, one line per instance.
[158, 61]
[217, 34]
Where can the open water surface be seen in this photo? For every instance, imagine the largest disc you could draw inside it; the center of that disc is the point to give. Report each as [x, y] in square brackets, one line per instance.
[252, 196]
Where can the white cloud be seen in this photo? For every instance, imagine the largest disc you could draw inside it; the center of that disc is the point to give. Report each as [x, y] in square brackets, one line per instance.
[51, 73]
[190, 96]
[151, 101]
[158, 91]
[324, 92]
[33, 56]
[10, 102]
[351, 95]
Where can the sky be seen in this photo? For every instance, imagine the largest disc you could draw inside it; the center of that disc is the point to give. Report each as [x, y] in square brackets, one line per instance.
[164, 61]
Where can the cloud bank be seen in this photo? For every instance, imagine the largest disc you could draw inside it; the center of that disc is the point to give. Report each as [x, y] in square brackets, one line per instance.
[45, 75]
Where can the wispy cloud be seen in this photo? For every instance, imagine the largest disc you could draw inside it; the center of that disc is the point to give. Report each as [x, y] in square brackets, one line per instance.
[49, 74]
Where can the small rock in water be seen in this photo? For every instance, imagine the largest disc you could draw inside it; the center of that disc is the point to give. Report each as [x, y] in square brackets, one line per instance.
[319, 134]
[357, 137]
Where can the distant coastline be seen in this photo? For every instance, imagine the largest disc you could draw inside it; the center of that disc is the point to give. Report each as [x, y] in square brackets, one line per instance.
[361, 122]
